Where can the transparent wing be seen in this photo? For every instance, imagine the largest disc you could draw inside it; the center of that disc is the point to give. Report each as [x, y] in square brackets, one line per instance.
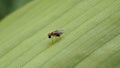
[59, 31]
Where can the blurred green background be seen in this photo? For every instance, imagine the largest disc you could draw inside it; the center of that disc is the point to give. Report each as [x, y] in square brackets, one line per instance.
[8, 6]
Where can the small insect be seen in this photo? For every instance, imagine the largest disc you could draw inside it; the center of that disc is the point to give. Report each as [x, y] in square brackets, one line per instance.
[56, 33]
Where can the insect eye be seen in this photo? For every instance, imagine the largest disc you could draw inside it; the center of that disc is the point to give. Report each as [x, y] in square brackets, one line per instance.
[49, 36]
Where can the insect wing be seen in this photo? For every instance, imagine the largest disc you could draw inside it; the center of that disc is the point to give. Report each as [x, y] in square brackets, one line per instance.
[59, 32]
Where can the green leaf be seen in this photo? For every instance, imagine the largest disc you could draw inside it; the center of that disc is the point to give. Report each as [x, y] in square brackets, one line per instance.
[91, 36]
[8, 6]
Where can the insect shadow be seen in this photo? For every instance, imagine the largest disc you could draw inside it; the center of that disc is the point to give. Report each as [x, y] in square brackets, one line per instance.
[55, 40]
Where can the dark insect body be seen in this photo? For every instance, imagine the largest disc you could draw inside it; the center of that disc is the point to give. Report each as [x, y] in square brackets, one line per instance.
[56, 33]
